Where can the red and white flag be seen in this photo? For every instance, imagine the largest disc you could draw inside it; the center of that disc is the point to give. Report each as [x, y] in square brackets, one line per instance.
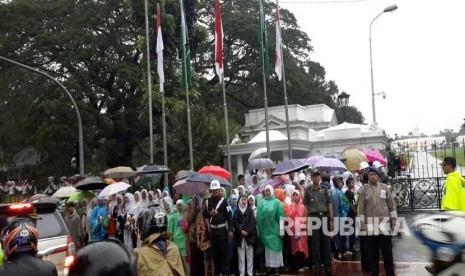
[161, 74]
[218, 41]
[278, 63]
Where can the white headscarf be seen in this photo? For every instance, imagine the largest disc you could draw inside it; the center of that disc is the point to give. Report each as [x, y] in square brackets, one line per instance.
[144, 202]
[135, 210]
[289, 192]
[131, 201]
[239, 204]
[241, 187]
[271, 189]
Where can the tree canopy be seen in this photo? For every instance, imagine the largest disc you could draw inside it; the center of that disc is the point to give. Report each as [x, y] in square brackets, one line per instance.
[97, 50]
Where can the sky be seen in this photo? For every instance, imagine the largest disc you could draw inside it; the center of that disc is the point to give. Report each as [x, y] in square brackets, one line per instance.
[418, 58]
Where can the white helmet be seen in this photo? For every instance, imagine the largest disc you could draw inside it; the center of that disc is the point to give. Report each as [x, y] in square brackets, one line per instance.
[363, 165]
[377, 164]
[215, 185]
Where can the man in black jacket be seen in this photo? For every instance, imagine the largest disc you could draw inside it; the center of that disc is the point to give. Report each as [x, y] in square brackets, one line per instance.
[218, 213]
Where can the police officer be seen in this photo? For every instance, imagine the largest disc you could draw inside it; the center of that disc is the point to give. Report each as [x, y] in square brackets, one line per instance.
[318, 206]
[219, 215]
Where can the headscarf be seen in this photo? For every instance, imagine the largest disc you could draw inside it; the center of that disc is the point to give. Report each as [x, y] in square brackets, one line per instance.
[240, 205]
[140, 197]
[131, 201]
[119, 206]
[135, 210]
[298, 193]
[271, 190]
[168, 200]
[144, 202]
[233, 207]
[280, 194]
[166, 190]
[252, 197]
[289, 192]
[225, 195]
[153, 196]
[235, 192]
[241, 187]
[101, 198]
[180, 201]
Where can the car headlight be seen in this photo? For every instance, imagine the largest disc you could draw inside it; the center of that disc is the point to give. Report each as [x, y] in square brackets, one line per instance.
[445, 254]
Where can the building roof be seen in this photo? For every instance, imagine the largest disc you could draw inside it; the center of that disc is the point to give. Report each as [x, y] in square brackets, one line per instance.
[274, 135]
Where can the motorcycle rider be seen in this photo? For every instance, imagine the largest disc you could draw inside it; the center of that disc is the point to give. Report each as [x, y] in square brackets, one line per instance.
[19, 240]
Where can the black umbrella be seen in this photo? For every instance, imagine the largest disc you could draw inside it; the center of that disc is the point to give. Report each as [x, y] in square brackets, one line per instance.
[91, 183]
[153, 169]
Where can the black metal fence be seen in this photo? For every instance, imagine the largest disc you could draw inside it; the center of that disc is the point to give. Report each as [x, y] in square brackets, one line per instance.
[422, 185]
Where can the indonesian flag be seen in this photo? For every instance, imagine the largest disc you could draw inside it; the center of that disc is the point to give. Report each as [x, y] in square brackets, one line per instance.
[161, 74]
[278, 63]
[218, 41]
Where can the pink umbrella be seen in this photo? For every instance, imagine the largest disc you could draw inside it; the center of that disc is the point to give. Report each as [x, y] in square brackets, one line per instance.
[375, 155]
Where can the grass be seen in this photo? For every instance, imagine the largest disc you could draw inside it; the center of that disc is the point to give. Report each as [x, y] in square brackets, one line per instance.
[459, 154]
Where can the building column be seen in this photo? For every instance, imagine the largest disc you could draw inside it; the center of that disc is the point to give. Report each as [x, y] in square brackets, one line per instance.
[240, 166]
[285, 155]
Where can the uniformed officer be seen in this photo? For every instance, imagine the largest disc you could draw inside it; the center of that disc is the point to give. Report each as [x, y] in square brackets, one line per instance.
[318, 205]
[219, 215]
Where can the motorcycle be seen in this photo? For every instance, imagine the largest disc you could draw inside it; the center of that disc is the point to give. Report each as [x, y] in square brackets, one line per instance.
[443, 234]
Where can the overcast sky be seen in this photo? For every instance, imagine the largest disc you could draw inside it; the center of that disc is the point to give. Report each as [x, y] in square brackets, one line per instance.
[418, 58]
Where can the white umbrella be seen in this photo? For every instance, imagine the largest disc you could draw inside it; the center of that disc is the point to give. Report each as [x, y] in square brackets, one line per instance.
[66, 191]
[258, 153]
[114, 188]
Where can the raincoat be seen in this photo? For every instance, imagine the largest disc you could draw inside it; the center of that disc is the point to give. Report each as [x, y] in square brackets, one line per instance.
[98, 215]
[270, 211]
[175, 228]
[454, 192]
[298, 240]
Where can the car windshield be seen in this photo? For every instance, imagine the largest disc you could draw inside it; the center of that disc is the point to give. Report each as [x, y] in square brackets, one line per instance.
[50, 225]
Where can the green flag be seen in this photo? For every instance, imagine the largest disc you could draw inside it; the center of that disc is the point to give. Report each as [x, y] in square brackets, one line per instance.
[184, 41]
[263, 48]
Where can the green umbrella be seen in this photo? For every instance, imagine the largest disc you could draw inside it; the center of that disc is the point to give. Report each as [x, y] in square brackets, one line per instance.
[80, 195]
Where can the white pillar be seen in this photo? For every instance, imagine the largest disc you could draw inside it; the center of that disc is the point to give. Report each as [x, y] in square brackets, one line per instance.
[240, 166]
[285, 155]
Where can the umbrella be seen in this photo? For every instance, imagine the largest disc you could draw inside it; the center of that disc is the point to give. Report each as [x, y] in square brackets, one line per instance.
[184, 187]
[258, 153]
[353, 159]
[49, 199]
[182, 174]
[114, 188]
[206, 178]
[273, 182]
[66, 191]
[312, 160]
[290, 166]
[153, 169]
[91, 183]
[261, 163]
[80, 195]
[35, 197]
[374, 155]
[216, 170]
[330, 165]
[119, 172]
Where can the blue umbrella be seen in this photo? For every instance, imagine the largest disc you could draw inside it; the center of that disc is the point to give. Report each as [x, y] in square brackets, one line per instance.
[290, 166]
[206, 178]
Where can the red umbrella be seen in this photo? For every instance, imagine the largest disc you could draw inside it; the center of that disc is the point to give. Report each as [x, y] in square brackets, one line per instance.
[375, 155]
[216, 170]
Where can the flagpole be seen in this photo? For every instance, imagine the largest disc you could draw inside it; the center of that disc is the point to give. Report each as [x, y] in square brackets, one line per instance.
[286, 107]
[262, 27]
[162, 91]
[189, 127]
[226, 124]
[149, 80]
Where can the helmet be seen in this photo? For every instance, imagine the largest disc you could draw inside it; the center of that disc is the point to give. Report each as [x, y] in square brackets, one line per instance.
[377, 164]
[107, 257]
[215, 185]
[363, 165]
[151, 220]
[20, 235]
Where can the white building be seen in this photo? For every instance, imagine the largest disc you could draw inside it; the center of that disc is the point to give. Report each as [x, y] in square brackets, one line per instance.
[314, 130]
[418, 143]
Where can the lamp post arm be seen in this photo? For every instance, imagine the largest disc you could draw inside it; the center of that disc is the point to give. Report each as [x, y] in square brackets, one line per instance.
[78, 114]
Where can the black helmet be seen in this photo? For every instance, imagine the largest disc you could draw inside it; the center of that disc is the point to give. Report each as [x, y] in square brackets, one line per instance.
[20, 235]
[107, 257]
[151, 220]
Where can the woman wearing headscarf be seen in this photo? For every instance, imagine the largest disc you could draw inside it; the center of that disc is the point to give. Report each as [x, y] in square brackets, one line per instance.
[251, 202]
[233, 264]
[144, 201]
[126, 209]
[175, 228]
[203, 240]
[134, 213]
[118, 215]
[165, 192]
[299, 247]
[96, 221]
[85, 218]
[195, 254]
[245, 234]
[270, 211]
[340, 211]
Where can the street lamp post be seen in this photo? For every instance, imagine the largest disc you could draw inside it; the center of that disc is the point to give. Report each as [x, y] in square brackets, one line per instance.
[343, 101]
[388, 9]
